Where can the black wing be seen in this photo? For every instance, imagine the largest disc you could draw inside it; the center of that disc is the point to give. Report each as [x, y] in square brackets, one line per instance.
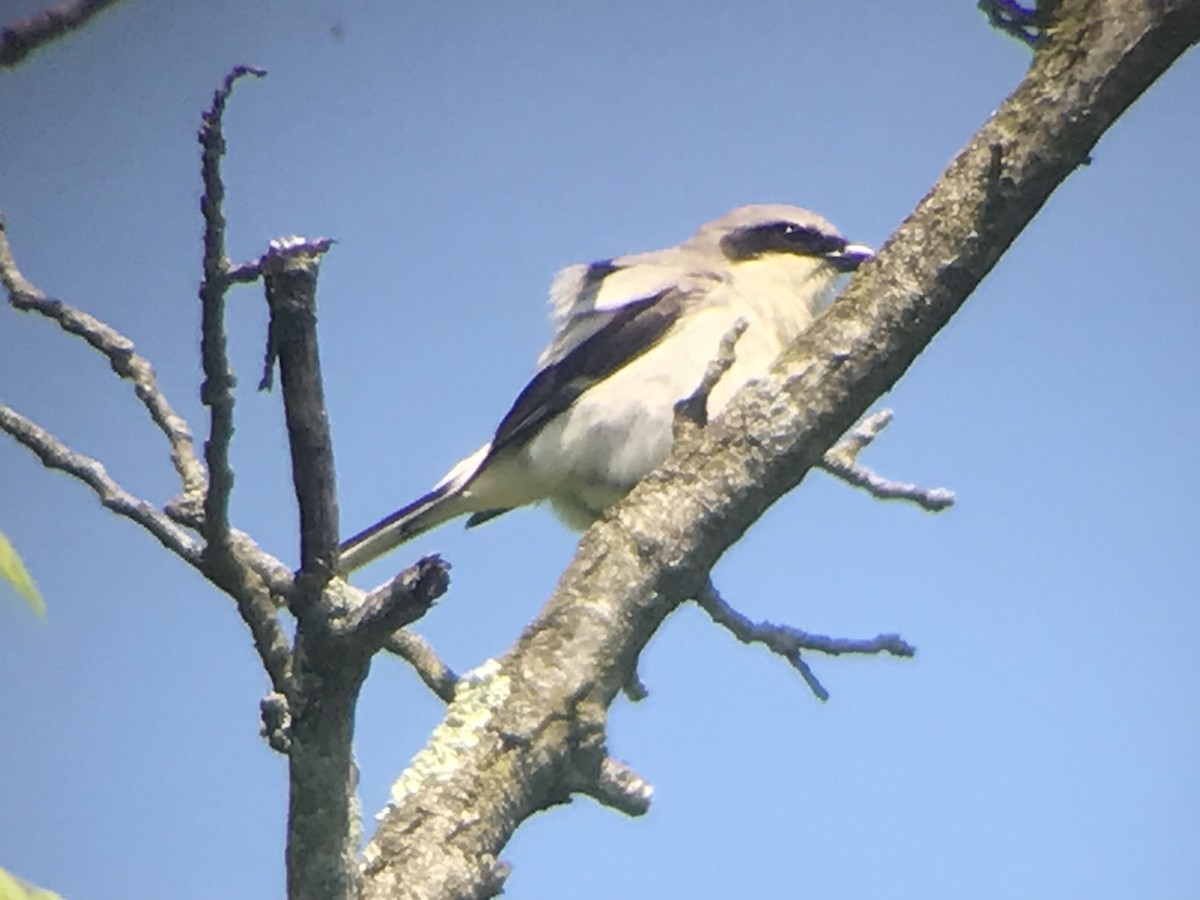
[633, 330]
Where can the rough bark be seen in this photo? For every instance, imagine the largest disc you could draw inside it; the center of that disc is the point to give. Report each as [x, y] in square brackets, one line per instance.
[523, 736]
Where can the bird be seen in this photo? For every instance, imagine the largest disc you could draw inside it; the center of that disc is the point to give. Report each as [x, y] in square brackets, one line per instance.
[633, 335]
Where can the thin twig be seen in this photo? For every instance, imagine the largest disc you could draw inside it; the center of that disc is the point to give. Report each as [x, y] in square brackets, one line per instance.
[245, 272]
[842, 462]
[694, 408]
[121, 356]
[239, 578]
[54, 454]
[24, 36]
[788, 642]
[254, 587]
[251, 577]
[217, 390]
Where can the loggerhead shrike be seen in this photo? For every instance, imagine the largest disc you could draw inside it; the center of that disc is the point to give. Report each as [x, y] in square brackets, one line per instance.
[632, 337]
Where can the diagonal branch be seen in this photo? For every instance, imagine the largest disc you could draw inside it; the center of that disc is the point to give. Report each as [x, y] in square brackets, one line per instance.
[789, 642]
[54, 454]
[252, 578]
[419, 653]
[121, 356]
[693, 409]
[397, 603]
[842, 462]
[24, 36]
[656, 547]
[277, 577]
[240, 574]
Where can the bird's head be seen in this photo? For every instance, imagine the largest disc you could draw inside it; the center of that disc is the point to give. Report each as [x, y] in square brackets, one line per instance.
[764, 231]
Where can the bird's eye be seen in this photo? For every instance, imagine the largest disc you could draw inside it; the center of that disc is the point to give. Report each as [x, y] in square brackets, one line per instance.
[803, 239]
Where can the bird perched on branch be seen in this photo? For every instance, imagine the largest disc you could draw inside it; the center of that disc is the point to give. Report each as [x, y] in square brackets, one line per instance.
[632, 337]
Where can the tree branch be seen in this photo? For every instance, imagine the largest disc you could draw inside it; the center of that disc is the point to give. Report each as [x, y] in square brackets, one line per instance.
[290, 271]
[338, 630]
[788, 642]
[419, 653]
[121, 356]
[444, 830]
[217, 391]
[253, 578]
[693, 409]
[54, 454]
[259, 584]
[842, 462]
[248, 577]
[24, 36]
[620, 788]
[398, 603]
[239, 578]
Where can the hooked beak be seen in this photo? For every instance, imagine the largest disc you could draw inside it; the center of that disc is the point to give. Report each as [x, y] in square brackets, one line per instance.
[850, 257]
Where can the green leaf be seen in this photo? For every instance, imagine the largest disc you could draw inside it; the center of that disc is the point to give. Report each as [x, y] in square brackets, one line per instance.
[12, 888]
[13, 571]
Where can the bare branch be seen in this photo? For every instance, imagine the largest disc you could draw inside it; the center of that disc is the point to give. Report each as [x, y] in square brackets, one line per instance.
[251, 577]
[261, 615]
[217, 391]
[24, 36]
[295, 246]
[397, 603]
[788, 642]
[290, 271]
[260, 585]
[245, 272]
[419, 653]
[656, 547]
[321, 678]
[694, 408]
[56, 455]
[121, 356]
[617, 786]
[842, 462]
[277, 577]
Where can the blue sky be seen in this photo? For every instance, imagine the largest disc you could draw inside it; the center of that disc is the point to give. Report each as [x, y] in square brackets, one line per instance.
[1043, 743]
